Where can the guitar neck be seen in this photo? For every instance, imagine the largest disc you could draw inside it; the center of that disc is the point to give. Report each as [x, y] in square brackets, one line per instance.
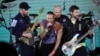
[37, 18]
[35, 23]
[82, 37]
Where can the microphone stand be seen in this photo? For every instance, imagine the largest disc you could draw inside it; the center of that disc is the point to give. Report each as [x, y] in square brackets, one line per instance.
[2, 19]
[93, 38]
[99, 22]
[98, 7]
[64, 5]
[34, 45]
[74, 2]
[10, 29]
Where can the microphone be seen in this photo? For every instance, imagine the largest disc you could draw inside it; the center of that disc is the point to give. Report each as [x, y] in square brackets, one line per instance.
[1, 18]
[64, 5]
[50, 28]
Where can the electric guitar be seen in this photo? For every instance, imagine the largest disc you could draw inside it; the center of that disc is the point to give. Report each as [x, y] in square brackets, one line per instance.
[30, 41]
[74, 43]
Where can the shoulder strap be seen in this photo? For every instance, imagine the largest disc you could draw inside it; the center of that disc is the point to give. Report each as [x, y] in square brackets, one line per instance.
[57, 26]
[80, 26]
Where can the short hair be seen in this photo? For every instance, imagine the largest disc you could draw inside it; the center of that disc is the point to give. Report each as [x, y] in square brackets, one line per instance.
[57, 6]
[50, 12]
[73, 7]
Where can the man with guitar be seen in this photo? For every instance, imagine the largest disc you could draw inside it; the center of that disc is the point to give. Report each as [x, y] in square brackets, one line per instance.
[75, 43]
[50, 33]
[19, 25]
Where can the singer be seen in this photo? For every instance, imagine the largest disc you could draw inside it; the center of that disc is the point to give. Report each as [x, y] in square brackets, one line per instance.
[50, 33]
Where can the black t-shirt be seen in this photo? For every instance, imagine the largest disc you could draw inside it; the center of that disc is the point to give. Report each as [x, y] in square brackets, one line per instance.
[61, 19]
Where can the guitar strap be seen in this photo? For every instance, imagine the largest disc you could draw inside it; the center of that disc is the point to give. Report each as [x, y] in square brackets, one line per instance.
[80, 26]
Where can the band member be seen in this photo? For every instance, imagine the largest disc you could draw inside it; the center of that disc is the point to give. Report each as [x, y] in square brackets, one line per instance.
[59, 17]
[62, 19]
[50, 33]
[76, 25]
[19, 25]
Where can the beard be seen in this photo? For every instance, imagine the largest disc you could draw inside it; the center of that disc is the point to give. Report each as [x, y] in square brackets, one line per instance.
[57, 16]
[77, 16]
[25, 14]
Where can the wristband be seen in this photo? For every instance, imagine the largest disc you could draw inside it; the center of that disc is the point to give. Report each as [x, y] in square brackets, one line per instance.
[53, 52]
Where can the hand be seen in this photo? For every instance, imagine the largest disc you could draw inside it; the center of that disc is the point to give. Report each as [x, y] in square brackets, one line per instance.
[90, 32]
[52, 53]
[49, 24]
[29, 35]
[67, 44]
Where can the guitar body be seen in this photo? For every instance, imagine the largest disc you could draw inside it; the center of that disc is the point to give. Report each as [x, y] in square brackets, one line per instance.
[69, 51]
[29, 41]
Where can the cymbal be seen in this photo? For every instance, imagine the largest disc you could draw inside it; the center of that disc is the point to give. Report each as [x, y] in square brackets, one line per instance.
[1, 19]
[6, 1]
[9, 5]
[2, 6]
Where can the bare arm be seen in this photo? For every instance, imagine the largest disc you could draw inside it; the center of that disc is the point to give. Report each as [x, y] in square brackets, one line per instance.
[58, 40]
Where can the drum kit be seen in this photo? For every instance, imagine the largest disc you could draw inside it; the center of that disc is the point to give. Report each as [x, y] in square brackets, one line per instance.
[6, 5]
[97, 2]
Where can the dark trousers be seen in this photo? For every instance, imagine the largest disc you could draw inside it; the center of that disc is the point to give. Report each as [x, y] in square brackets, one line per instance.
[25, 50]
[59, 52]
[82, 51]
[46, 49]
